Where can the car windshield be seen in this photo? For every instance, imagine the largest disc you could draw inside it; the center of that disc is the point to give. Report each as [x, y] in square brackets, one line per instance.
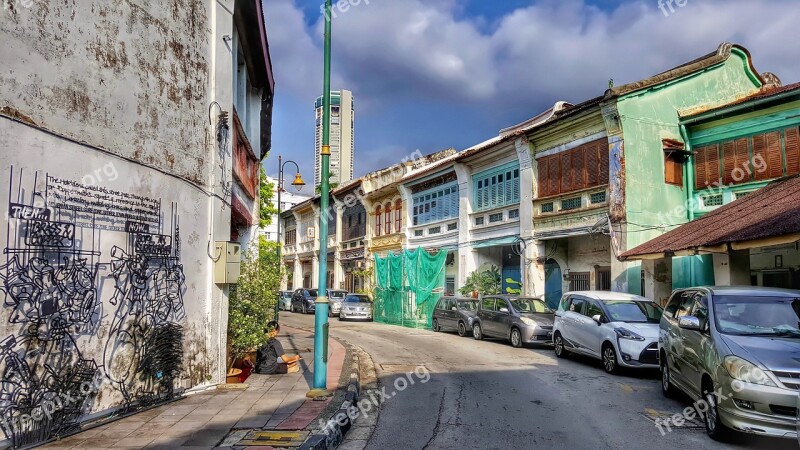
[467, 305]
[356, 299]
[762, 316]
[633, 311]
[337, 294]
[312, 292]
[530, 305]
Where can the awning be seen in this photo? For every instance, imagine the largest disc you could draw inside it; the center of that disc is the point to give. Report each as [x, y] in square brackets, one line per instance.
[496, 242]
[767, 217]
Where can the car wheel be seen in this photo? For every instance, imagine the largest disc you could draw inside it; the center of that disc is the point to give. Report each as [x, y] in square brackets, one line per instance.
[609, 359]
[558, 346]
[462, 329]
[715, 429]
[305, 309]
[516, 338]
[477, 333]
[435, 326]
[667, 388]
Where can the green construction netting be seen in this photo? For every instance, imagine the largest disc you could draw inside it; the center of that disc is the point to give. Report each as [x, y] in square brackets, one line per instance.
[407, 286]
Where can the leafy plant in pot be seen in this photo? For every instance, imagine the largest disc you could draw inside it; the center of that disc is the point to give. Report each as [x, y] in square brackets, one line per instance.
[251, 303]
[487, 282]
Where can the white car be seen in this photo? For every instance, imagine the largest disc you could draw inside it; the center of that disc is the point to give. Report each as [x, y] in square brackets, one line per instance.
[619, 329]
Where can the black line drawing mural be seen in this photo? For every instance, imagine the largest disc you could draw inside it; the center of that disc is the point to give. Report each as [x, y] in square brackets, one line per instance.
[51, 283]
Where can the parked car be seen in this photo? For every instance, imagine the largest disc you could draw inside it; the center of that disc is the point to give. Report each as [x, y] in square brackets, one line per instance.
[743, 343]
[304, 301]
[285, 300]
[453, 313]
[521, 320]
[356, 306]
[335, 298]
[619, 329]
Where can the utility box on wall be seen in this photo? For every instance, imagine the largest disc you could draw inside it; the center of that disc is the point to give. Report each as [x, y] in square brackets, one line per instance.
[228, 266]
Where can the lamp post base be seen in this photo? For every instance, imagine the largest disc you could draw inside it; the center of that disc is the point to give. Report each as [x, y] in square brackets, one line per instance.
[316, 393]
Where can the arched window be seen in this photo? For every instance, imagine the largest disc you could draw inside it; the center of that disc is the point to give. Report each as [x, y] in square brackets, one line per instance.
[378, 217]
[398, 216]
[388, 218]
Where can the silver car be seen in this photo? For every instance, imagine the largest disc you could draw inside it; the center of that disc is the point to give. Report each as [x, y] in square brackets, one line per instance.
[285, 300]
[521, 320]
[335, 298]
[736, 350]
[356, 306]
[619, 329]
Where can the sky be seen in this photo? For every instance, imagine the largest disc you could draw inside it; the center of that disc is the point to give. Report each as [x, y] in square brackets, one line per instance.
[435, 74]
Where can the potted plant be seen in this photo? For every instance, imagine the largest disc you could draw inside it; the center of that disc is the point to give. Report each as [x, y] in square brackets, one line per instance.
[487, 282]
[251, 303]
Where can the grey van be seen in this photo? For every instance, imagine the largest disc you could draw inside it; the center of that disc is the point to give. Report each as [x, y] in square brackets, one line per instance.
[455, 313]
[520, 320]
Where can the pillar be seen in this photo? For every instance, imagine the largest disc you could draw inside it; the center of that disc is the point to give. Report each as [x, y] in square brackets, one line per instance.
[315, 271]
[658, 279]
[732, 268]
[297, 281]
[534, 273]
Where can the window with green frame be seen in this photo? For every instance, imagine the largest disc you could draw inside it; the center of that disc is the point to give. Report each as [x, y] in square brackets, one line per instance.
[496, 187]
[433, 205]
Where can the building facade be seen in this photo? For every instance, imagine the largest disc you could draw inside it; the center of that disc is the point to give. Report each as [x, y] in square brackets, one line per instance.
[342, 138]
[141, 180]
[289, 200]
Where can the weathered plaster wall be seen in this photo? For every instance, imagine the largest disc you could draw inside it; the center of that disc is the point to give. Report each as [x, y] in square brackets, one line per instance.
[130, 76]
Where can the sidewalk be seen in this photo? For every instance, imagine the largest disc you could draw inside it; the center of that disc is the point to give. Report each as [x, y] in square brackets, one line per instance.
[203, 420]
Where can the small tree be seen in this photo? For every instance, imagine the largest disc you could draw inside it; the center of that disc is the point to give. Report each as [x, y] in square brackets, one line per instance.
[367, 276]
[252, 300]
[266, 207]
[487, 282]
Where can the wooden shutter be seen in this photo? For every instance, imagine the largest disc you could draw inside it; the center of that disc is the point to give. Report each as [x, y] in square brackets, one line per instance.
[792, 151]
[775, 154]
[728, 161]
[743, 160]
[760, 156]
[544, 174]
[673, 168]
[566, 172]
[579, 168]
[700, 172]
[602, 148]
[592, 165]
[555, 173]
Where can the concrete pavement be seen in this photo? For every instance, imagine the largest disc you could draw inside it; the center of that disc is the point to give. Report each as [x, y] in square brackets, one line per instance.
[203, 420]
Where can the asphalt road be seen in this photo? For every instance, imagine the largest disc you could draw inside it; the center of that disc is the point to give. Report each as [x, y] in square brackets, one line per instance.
[486, 395]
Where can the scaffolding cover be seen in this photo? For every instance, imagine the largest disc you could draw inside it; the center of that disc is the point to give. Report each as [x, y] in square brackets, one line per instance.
[408, 284]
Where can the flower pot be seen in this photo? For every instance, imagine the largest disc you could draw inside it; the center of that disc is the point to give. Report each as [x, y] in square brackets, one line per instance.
[233, 376]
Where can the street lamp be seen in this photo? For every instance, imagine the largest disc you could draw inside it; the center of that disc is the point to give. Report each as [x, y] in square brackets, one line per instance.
[297, 183]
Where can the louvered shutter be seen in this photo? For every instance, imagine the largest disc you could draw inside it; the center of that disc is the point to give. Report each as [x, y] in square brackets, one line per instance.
[592, 165]
[579, 168]
[713, 166]
[700, 168]
[602, 148]
[515, 194]
[775, 154]
[728, 161]
[566, 172]
[792, 151]
[760, 156]
[555, 173]
[743, 161]
[543, 170]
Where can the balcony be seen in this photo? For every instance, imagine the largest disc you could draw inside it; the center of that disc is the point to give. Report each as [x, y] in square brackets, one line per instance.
[588, 199]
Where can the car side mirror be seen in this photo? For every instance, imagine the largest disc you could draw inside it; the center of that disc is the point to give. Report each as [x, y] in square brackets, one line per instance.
[598, 318]
[504, 310]
[690, 323]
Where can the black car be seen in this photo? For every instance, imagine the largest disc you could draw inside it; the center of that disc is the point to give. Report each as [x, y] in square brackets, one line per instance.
[303, 300]
[455, 313]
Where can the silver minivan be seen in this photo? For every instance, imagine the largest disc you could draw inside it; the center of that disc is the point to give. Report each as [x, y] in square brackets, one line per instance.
[736, 351]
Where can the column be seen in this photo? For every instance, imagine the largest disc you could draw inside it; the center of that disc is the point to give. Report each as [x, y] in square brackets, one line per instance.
[315, 271]
[534, 273]
[466, 256]
[297, 281]
[732, 268]
[658, 279]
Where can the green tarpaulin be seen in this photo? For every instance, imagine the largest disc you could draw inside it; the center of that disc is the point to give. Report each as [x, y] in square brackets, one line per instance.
[407, 286]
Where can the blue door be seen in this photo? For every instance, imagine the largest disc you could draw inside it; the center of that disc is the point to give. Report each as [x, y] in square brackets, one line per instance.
[552, 283]
[512, 280]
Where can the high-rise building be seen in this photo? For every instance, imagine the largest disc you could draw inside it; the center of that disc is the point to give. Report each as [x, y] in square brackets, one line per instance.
[342, 138]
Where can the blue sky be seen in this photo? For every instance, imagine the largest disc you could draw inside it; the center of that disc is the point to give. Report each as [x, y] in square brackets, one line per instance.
[434, 74]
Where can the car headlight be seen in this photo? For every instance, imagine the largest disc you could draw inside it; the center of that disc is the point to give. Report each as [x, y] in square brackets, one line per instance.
[743, 370]
[624, 333]
[528, 321]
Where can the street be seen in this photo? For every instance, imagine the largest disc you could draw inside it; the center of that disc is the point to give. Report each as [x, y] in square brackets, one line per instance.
[486, 394]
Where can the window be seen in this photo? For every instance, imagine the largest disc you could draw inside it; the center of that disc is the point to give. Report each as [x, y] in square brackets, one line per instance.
[450, 286]
[479, 221]
[435, 230]
[437, 204]
[579, 281]
[418, 233]
[388, 218]
[598, 197]
[571, 203]
[577, 305]
[593, 309]
[673, 168]
[685, 306]
[496, 217]
[548, 207]
[513, 214]
[712, 200]
[378, 216]
[496, 187]
[398, 216]
[291, 237]
[488, 304]
[604, 279]
[572, 170]
[452, 226]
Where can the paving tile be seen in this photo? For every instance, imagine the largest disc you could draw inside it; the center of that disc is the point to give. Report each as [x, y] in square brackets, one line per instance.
[187, 425]
[352, 444]
[137, 442]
